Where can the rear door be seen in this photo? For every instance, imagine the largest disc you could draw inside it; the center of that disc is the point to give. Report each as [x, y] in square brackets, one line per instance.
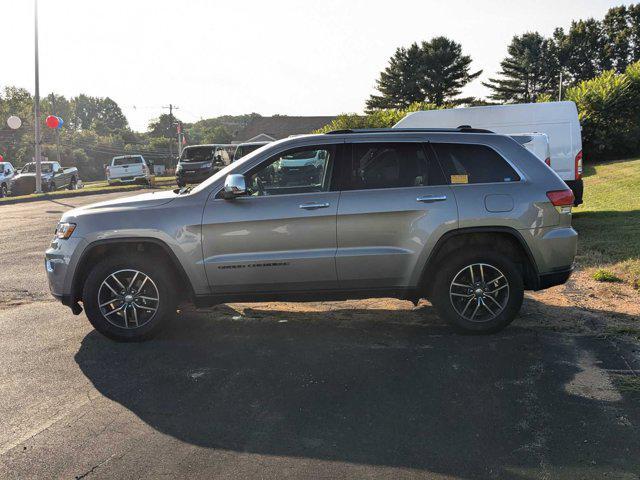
[282, 235]
[394, 205]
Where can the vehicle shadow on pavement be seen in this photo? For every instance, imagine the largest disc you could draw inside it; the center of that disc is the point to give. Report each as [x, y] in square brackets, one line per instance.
[377, 387]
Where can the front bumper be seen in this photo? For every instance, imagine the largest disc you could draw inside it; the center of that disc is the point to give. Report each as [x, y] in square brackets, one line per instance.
[61, 260]
[195, 176]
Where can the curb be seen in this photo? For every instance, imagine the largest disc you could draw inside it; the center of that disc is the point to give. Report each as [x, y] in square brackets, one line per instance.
[75, 193]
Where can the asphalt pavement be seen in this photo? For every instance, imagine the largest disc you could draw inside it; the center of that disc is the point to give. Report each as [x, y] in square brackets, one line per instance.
[274, 391]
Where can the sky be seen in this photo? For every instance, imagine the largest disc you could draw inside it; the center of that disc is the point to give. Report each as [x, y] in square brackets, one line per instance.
[290, 57]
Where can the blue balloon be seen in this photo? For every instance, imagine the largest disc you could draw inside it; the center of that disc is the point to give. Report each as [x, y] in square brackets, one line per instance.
[60, 122]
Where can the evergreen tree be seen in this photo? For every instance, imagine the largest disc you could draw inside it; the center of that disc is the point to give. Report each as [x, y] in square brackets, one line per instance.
[528, 71]
[432, 72]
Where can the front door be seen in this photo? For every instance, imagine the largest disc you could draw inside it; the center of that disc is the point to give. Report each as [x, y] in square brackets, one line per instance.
[394, 205]
[281, 236]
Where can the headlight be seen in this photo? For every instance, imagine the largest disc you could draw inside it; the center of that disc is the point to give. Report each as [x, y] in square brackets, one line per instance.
[64, 230]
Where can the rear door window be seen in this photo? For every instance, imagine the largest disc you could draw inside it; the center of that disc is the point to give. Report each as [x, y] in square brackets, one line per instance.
[467, 163]
[390, 165]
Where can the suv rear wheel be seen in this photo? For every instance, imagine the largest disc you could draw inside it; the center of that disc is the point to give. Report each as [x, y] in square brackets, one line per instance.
[478, 292]
[129, 299]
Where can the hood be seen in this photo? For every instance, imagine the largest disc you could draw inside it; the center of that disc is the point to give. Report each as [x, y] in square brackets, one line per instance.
[152, 199]
[146, 200]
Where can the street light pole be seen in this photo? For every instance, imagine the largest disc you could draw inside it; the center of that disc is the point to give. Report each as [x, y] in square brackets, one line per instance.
[36, 107]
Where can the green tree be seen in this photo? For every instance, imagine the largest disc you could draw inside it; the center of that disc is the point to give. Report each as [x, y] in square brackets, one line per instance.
[617, 35]
[585, 52]
[434, 72]
[109, 118]
[163, 126]
[529, 70]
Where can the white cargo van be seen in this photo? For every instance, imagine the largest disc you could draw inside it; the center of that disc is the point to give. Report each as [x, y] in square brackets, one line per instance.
[558, 120]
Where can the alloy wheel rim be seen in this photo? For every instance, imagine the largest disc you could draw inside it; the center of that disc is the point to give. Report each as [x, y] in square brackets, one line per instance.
[128, 299]
[479, 292]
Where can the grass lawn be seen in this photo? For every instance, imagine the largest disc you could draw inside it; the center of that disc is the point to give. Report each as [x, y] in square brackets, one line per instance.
[609, 222]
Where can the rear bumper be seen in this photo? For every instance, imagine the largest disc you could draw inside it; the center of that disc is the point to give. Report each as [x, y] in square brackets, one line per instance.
[128, 180]
[577, 187]
[559, 277]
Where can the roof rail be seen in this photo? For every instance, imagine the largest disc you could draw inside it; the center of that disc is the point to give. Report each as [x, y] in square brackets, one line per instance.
[460, 129]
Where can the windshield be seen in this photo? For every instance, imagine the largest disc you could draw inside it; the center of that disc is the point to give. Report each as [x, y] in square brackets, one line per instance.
[229, 168]
[126, 160]
[197, 154]
[31, 168]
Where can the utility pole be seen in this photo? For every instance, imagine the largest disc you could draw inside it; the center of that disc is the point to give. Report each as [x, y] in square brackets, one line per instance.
[560, 88]
[36, 107]
[171, 108]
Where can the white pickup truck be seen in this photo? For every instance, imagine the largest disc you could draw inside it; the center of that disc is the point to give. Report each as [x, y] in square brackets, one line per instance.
[128, 169]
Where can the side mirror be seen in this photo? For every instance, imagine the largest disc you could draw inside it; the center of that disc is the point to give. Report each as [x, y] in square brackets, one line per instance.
[234, 186]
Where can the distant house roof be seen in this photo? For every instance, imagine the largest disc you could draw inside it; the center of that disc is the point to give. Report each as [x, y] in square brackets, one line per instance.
[280, 127]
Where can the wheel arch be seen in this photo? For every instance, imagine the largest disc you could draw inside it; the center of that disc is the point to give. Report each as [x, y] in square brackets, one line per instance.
[505, 239]
[100, 248]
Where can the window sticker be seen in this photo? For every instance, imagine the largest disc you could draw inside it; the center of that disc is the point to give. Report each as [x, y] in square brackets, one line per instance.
[459, 179]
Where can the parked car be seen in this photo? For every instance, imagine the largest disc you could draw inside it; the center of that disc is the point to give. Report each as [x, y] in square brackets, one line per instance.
[7, 172]
[558, 120]
[466, 219]
[129, 169]
[199, 162]
[245, 148]
[536, 143]
[54, 177]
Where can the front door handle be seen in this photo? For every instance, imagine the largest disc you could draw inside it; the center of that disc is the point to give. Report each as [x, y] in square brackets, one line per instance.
[431, 198]
[313, 206]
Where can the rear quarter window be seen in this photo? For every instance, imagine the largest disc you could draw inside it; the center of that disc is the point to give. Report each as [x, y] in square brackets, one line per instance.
[465, 163]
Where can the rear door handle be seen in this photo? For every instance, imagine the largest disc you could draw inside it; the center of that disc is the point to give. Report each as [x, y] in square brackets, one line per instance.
[431, 198]
[313, 206]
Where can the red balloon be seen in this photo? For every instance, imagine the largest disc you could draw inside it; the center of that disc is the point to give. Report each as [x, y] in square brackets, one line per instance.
[1, 158]
[52, 121]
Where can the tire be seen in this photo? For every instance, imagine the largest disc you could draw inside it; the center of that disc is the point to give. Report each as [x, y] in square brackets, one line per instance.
[51, 187]
[110, 319]
[454, 302]
[4, 191]
[73, 183]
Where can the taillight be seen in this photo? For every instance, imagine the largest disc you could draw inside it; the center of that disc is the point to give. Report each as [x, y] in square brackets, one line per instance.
[547, 161]
[562, 199]
[579, 165]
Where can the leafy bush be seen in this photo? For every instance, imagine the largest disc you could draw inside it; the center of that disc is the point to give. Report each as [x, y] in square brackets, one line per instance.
[609, 111]
[602, 275]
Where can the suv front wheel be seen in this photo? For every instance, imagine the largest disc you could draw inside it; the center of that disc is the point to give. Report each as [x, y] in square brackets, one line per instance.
[129, 298]
[478, 292]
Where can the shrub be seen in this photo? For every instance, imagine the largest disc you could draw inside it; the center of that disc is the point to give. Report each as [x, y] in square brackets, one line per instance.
[609, 111]
[602, 275]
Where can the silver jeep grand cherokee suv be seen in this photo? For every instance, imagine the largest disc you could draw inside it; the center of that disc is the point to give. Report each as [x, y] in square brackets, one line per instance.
[464, 218]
